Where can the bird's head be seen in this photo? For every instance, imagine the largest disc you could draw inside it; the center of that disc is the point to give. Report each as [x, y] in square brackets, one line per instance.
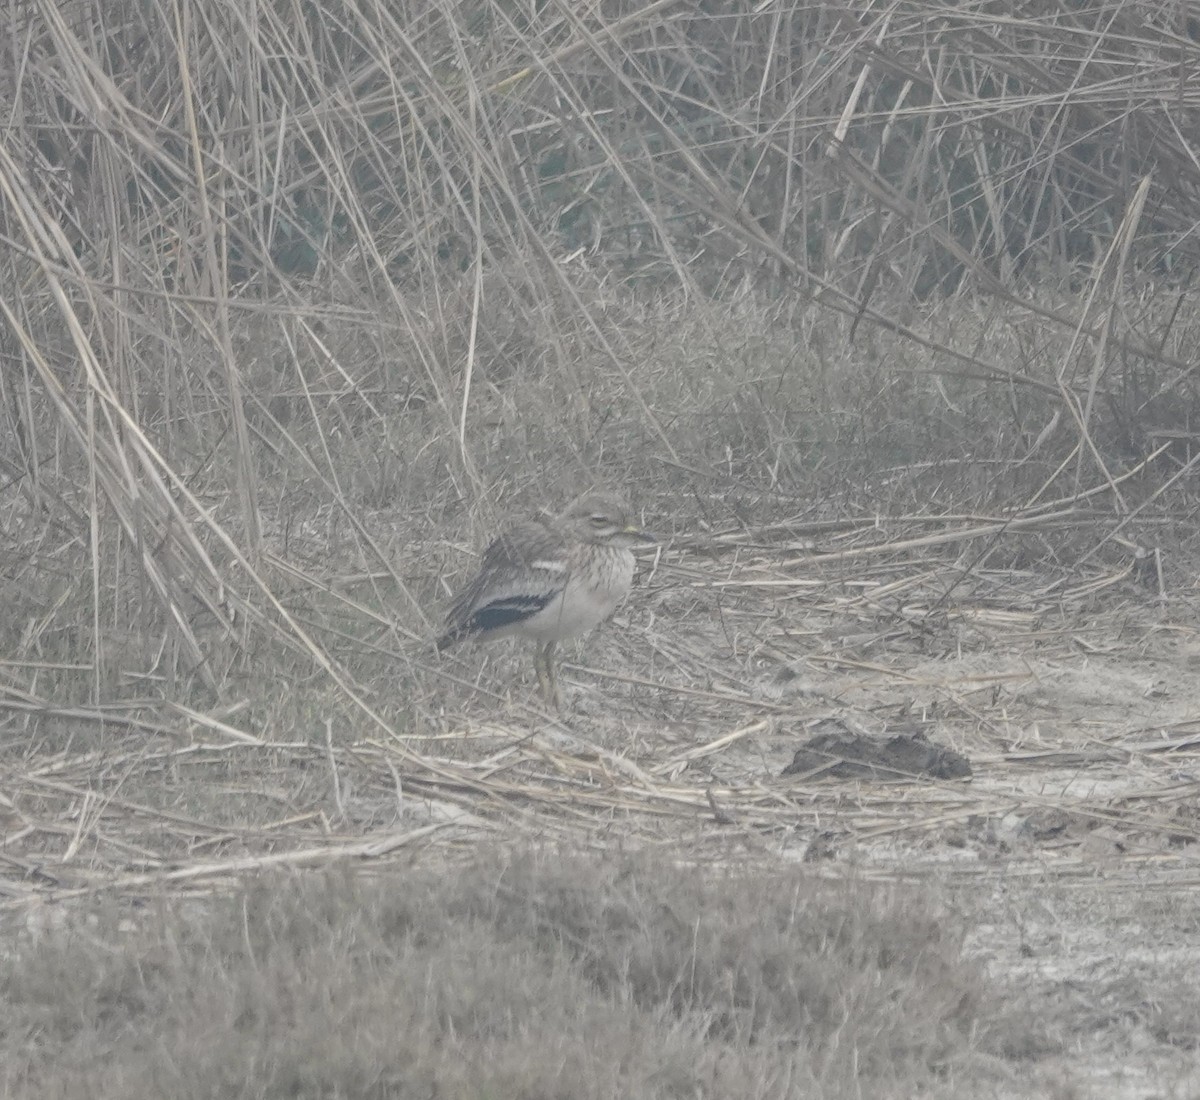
[603, 518]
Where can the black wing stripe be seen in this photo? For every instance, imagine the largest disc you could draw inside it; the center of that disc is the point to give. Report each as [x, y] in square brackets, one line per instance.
[505, 612]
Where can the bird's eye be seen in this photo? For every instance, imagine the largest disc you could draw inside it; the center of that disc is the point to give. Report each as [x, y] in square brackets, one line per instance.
[598, 520]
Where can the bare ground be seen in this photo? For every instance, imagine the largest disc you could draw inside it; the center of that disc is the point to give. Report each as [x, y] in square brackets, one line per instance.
[1072, 846]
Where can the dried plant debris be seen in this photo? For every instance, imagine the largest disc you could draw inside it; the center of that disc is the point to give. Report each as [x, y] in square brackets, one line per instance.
[838, 751]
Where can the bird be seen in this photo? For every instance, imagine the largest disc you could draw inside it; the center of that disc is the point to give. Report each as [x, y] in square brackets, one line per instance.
[550, 579]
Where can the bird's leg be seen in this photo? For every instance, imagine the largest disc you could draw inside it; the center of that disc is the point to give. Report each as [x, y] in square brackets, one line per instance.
[544, 664]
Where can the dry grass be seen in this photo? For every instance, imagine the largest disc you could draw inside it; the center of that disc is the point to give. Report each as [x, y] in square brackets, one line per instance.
[268, 279]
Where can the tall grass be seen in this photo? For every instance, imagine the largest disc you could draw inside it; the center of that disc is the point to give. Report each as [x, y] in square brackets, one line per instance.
[270, 270]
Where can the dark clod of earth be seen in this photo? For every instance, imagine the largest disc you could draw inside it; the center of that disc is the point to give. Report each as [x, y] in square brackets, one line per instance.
[843, 753]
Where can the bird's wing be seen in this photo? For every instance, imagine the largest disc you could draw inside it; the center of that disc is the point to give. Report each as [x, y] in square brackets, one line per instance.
[520, 574]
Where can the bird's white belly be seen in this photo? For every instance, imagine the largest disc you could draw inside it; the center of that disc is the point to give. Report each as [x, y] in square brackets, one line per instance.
[586, 601]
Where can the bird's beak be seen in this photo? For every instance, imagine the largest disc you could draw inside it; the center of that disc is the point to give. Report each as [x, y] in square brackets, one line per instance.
[637, 535]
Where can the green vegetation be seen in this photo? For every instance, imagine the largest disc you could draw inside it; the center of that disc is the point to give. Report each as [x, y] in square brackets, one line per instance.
[546, 976]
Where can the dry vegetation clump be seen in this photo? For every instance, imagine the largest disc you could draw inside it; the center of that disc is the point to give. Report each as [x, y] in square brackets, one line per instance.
[531, 976]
